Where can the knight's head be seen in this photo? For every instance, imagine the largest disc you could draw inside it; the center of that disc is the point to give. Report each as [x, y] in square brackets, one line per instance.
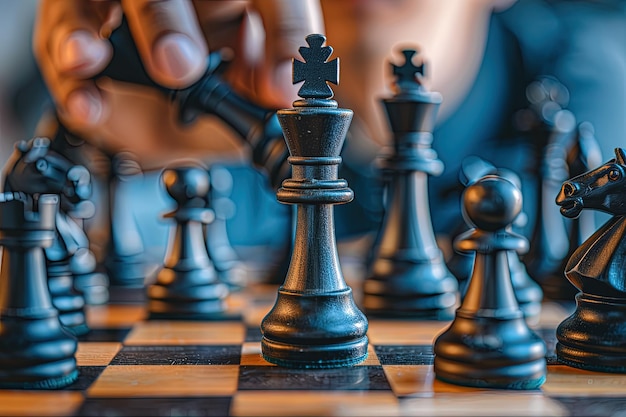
[601, 189]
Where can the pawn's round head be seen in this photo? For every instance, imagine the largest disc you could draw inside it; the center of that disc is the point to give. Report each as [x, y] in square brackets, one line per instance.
[491, 203]
[186, 183]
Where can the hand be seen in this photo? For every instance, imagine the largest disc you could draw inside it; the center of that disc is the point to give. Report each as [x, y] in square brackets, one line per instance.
[173, 38]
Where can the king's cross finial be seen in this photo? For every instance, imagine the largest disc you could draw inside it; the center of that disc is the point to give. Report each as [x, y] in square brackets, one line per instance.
[315, 71]
[406, 74]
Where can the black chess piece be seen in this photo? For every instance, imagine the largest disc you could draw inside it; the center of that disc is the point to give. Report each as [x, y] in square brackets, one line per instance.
[489, 344]
[583, 155]
[230, 269]
[562, 150]
[527, 292]
[89, 278]
[256, 126]
[187, 287]
[37, 169]
[594, 336]
[35, 350]
[315, 322]
[125, 262]
[408, 275]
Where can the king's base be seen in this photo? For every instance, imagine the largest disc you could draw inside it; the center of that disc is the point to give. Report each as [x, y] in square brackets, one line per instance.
[320, 330]
[316, 356]
[490, 352]
[594, 336]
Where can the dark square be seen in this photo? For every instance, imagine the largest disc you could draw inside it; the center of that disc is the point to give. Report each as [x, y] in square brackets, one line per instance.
[355, 378]
[106, 335]
[86, 376]
[405, 354]
[178, 355]
[191, 406]
[253, 334]
[593, 406]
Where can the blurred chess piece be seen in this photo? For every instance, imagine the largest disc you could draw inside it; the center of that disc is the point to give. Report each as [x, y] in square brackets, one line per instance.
[35, 350]
[226, 260]
[563, 149]
[37, 169]
[125, 258]
[187, 287]
[408, 275]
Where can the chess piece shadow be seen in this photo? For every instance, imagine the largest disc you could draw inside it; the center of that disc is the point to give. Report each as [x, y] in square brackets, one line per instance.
[489, 344]
[187, 287]
[594, 336]
[36, 352]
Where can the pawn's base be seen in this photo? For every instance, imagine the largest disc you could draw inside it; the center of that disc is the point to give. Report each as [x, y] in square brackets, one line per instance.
[594, 336]
[189, 295]
[490, 352]
[494, 382]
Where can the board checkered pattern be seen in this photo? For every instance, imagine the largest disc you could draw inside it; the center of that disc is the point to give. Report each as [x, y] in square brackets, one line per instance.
[133, 367]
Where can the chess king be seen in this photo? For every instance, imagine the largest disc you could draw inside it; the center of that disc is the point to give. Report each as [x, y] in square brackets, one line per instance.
[594, 336]
[315, 322]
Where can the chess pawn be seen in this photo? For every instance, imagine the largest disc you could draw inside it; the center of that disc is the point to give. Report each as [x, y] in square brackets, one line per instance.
[125, 260]
[408, 275]
[314, 322]
[489, 344]
[35, 350]
[187, 286]
[527, 292]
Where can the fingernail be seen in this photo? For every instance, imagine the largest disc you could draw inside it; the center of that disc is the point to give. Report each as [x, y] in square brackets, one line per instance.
[80, 49]
[177, 56]
[84, 107]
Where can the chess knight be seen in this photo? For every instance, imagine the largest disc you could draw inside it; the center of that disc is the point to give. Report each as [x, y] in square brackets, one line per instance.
[593, 337]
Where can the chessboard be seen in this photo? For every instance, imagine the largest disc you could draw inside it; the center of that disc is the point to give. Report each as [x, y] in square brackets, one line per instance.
[131, 366]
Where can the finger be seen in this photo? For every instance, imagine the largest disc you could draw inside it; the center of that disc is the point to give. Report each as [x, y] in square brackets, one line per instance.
[69, 50]
[286, 24]
[169, 40]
